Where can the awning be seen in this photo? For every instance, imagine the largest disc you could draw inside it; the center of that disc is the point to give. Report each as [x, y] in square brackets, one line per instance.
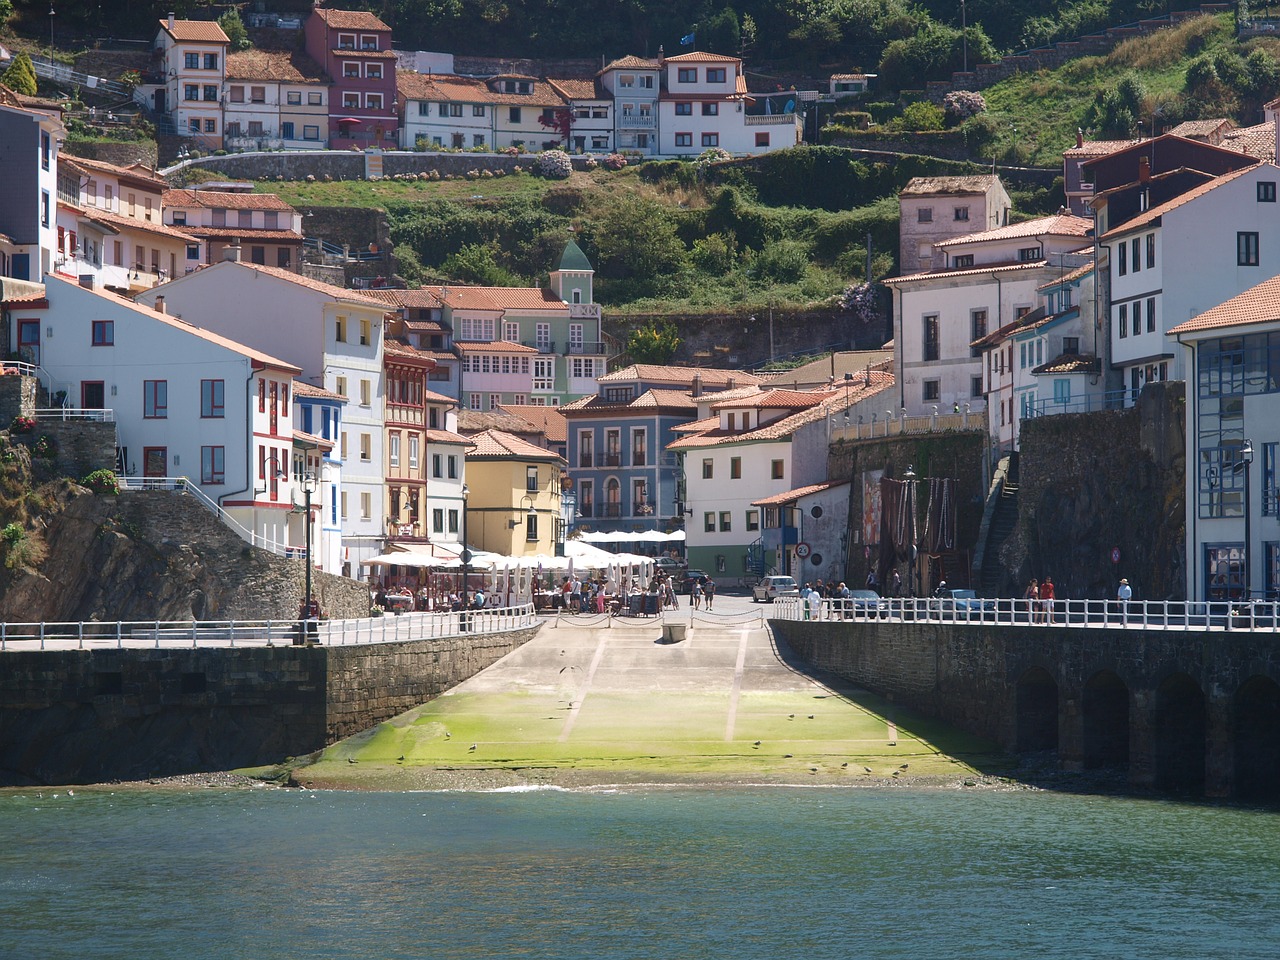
[627, 536]
[348, 120]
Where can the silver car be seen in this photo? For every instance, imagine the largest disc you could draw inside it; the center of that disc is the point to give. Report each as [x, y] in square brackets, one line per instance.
[770, 588]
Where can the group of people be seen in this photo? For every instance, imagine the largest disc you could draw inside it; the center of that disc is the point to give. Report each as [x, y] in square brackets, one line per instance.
[1040, 596]
[812, 595]
[593, 595]
[702, 590]
[873, 583]
[404, 600]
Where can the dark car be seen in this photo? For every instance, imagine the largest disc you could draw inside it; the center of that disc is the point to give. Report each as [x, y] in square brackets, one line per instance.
[862, 603]
[684, 583]
[965, 603]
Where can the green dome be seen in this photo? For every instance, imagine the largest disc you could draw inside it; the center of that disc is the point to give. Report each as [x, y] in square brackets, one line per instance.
[574, 259]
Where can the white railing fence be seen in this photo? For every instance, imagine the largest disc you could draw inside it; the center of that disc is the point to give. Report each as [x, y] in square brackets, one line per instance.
[156, 634]
[1089, 614]
[184, 485]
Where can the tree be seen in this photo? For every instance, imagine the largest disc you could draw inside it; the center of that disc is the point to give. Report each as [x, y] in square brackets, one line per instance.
[233, 27]
[21, 76]
[636, 239]
[560, 120]
[6, 11]
[654, 344]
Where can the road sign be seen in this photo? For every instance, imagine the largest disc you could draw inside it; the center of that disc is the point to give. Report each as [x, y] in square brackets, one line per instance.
[803, 549]
[1115, 554]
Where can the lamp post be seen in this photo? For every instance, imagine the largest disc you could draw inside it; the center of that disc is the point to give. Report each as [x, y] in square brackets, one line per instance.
[910, 477]
[310, 483]
[466, 552]
[964, 34]
[1246, 457]
[51, 16]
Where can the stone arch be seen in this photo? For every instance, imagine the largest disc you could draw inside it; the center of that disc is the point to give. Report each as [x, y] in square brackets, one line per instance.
[1037, 711]
[1180, 734]
[1106, 721]
[1256, 736]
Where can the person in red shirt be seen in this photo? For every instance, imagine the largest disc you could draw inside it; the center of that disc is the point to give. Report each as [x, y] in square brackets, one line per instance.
[1046, 598]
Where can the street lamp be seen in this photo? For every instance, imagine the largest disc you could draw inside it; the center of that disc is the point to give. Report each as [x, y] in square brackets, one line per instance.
[964, 33]
[310, 484]
[466, 552]
[910, 477]
[1246, 457]
[51, 16]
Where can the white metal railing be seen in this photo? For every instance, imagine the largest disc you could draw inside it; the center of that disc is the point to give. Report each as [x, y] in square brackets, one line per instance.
[184, 485]
[157, 634]
[74, 413]
[896, 425]
[1258, 615]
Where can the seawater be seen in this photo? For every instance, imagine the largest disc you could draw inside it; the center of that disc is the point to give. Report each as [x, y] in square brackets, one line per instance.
[634, 873]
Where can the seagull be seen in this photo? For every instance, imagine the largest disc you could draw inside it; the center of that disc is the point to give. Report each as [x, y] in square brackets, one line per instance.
[811, 716]
[868, 769]
[788, 756]
[845, 764]
[904, 766]
[472, 747]
[757, 743]
[352, 760]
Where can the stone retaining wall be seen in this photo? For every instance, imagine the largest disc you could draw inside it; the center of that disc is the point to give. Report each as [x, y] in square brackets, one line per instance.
[94, 716]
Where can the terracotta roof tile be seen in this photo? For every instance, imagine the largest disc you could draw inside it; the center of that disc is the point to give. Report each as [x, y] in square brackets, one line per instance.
[445, 436]
[477, 421]
[928, 186]
[133, 172]
[420, 299]
[1190, 129]
[195, 31]
[211, 199]
[699, 56]
[831, 368]
[1071, 363]
[117, 222]
[632, 63]
[279, 65]
[350, 19]
[498, 443]
[1058, 225]
[681, 375]
[774, 400]
[1098, 148]
[303, 389]
[791, 495]
[1081, 271]
[1260, 304]
[548, 419]
[493, 346]
[575, 89]
[1257, 141]
[968, 271]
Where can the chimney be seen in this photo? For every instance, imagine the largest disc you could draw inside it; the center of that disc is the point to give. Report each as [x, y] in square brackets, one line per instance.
[1079, 138]
[697, 384]
[231, 253]
[1144, 169]
[160, 305]
[170, 21]
[88, 281]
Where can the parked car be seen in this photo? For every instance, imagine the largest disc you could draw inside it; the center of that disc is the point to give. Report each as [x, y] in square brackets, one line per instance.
[770, 588]
[669, 565]
[684, 582]
[862, 603]
[966, 603]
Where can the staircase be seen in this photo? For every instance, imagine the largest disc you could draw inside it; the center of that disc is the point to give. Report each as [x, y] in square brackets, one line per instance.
[998, 520]
[755, 558]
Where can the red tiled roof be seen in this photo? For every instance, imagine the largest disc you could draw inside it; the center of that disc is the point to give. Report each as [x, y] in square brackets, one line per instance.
[1071, 363]
[780, 498]
[140, 174]
[421, 298]
[498, 443]
[195, 31]
[211, 199]
[280, 65]
[303, 389]
[1260, 304]
[631, 63]
[928, 186]
[574, 89]
[493, 346]
[246, 233]
[968, 271]
[1098, 148]
[1058, 225]
[445, 436]
[118, 223]
[680, 375]
[1076, 274]
[350, 19]
[1149, 216]
[699, 56]
[774, 400]
[548, 419]
[1257, 141]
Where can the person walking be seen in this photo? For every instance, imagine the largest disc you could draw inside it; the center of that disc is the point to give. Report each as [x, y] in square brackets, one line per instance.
[872, 582]
[695, 594]
[709, 591]
[895, 584]
[814, 601]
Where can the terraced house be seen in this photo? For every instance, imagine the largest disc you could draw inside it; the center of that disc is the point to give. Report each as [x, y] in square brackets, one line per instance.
[353, 47]
[256, 227]
[275, 99]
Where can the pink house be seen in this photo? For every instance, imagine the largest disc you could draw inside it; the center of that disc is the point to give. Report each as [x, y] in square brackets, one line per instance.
[354, 48]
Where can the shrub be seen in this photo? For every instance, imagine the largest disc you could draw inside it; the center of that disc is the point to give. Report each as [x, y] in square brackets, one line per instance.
[45, 447]
[783, 261]
[12, 533]
[960, 105]
[102, 482]
[922, 115]
[554, 165]
[22, 425]
[615, 161]
[21, 76]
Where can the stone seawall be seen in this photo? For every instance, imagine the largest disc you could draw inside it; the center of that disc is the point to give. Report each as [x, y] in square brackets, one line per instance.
[100, 715]
[1195, 709]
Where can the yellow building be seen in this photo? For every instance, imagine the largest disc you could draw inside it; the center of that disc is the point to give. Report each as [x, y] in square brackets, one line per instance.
[513, 499]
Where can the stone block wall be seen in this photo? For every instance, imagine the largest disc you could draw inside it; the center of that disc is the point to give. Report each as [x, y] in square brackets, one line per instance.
[93, 716]
[17, 398]
[81, 446]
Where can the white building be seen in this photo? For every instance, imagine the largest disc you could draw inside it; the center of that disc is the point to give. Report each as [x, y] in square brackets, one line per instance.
[1232, 353]
[985, 281]
[1178, 259]
[445, 111]
[336, 337]
[275, 100]
[187, 402]
[591, 111]
[634, 83]
[190, 65]
[704, 105]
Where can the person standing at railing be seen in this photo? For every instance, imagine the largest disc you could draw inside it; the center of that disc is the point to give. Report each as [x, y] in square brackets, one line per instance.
[1047, 598]
[1032, 598]
[1124, 594]
[895, 584]
[814, 601]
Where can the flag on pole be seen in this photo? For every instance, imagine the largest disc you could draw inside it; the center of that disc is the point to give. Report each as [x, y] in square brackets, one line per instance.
[688, 39]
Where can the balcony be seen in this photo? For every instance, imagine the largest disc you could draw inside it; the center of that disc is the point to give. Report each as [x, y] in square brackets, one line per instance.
[542, 346]
[584, 311]
[587, 348]
[770, 119]
[609, 510]
[609, 460]
[630, 121]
